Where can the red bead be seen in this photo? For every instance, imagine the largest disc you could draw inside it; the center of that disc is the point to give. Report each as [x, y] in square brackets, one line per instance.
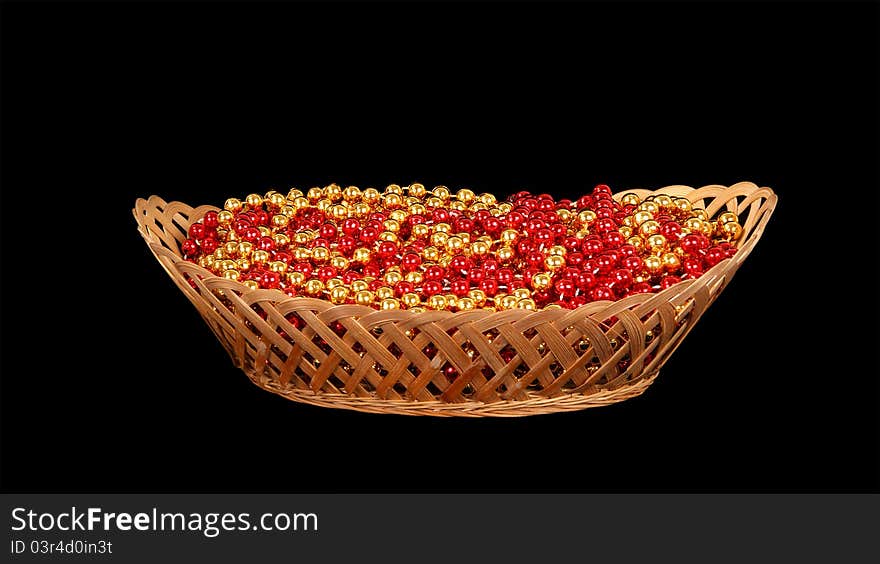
[460, 264]
[613, 239]
[386, 249]
[668, 281]
[269, 279]
[592, 245]
[585, 280]
[622, 278]
[641, 288]
[605, 224]
[670, 230]
[369, 234]
[489, 266]
[476, 275]
[304, 267]
[251, 235]
[326, 273]
[464, 225]
[605, 262]
[209, 245]
[460, 287]
[197, 231]
[351, 226]
[327, 231]
[372, 270]
[633, 263]
[492, 226]
[403, 287]
[515, 220]
[714, 255]
[692, 266]
[489, 286]
[261, 217]
[266, 244]
[410, 262]
[434, 272]
[432, 287]
[691, 243]
[190, 247]
[504, 276]
[440, 215]
[565, 288]
[601, 293]
[210, 220]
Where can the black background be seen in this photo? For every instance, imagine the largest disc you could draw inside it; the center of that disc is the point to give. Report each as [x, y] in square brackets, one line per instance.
[111, 381]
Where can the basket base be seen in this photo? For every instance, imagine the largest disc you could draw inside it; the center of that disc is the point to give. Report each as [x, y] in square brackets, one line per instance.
[534, 406]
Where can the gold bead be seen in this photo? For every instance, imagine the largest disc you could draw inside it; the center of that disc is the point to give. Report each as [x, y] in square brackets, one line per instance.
[314, 194]
[671, 262]
[526, 303]
[653, 264]
[206, 261]
[320, 254]
[522, 293]
[564, 215]
[276, 200]
[663, 201]
[727, 217]
[509, 235]
[351, 194]
[626, 231]
[281, 240]
[294, 193]
[296, 278]
[451, 301]
[438, 239]
[556, 251]
[333, 283]
[636, 242]
[225, 217]
[708, 228]
[314, 287]
[333, 192]
[388, 236]
[228, 265]
[554, 262]
[384, 292]
[260, 256]
[280, 221]
[465, 237]
[437, 301]
[410, 300]
[641, 217]
[693, 224]
[339, 263]
[232, 205]
[508, 302]
[442, 228]
[465, 195]
[630, 199]
[699, 213]
[339, 294]
[253, 200]
[656, 243]
[324, 205]
[478, 296]
[433, 202]
[359, 285]
[365, 297]
[392, 201]
[420, 230]
[733, 230]
[649, 206]
[394, 189]
[300, 203]
[441, 192]
[505, 254]
[414, 277]
[231, 247]
[417, 189]
[231, 274]
[586, 217]
[454, 244]
[648, 228]
[370, 196]
[389, 303]
[251, 284]
[278, 266]
[487, 199]
[391, 225]
[683, 204]
[361, 255]
[541, 281]
[302, 253]
[417, 209]
[244, 264]
[393, 277]
[264, 231]
[338, 212]
[466, 304]
[479, 248]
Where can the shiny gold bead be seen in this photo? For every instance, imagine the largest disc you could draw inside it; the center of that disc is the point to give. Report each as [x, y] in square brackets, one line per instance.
[417, 189]
[231, 274]
[699, 213]
[556, 251]
[508, 302]
[415, 277]
[232, 205]
[420, 230]
[278, 266]
[276, 199]
[586, 217]
[478, 296]
[280, 221]
[438, 239]
[361, 255]
[466, 304]
[649, 206]
[393, 277]
[392, 201]
[339, 263]
[541, 281]
[554, 262]
[526, 303]
[314, 287]
[251, 284]
[231, 247]
[338, 212]
[253, 200]
[708, 228]
[397, 217]
[410, 300]
[441, 192]
[320, 254]
[641, 217]
[522, 293]
[656, 243]
[394, 189]
[727, 217]
[384, 292]
[314, 194]
[437, 301]
[451, 301]
[505, 207]
[648, 228]
[324, 204]
[465, 195]
[333, 283]
[281, 240]
[388, 236]
[206, 261]
[733, 230]
[671, 262]
[371, 196]
[693, 224]
[294, 193]
[244, 264]
[351, 194]
[302, 253]
[636, 242]
[465, 237]
[389, 303]
[359, 285]
[333, 192]
[301, 203]
[417, 209]
[264, 231]
[505, 254]
[630, 199]
[509, 235]
[442, 228]
[683, 204]
[564, 215]
[260, 256]
[664, 201]
[220, 253]
[454, 244]
[653, 264]
[626, 231]
[391, 225]
[229, 265]
[479, 248]
[430, 253]
[433, 202]
[487, 199]
[338, 295]
[365, 297]
[296, 278]
[225, 217]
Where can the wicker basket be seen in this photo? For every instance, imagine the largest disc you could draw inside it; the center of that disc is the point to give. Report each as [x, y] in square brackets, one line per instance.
[565, 360]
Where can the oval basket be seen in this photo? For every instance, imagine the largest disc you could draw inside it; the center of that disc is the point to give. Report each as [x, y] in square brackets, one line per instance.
[566, 360]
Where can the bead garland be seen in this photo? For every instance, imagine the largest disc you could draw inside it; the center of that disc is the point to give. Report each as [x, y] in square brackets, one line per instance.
[413, 248]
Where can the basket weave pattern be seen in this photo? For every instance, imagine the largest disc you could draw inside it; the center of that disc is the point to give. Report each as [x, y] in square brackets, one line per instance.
[393, 361]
